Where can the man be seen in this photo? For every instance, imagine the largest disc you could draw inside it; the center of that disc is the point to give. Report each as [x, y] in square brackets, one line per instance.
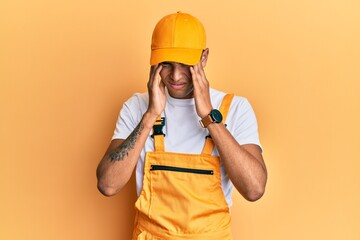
[185, 168]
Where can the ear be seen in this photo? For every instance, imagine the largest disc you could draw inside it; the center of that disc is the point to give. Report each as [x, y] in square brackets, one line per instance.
[204, 57]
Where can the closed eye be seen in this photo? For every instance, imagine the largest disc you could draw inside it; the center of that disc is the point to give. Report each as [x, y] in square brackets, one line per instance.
[166, 64]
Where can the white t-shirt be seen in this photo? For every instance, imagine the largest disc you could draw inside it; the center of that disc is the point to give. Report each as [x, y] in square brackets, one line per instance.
[183, 131]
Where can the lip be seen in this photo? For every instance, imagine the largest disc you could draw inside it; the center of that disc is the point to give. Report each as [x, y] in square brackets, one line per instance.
[177, 86]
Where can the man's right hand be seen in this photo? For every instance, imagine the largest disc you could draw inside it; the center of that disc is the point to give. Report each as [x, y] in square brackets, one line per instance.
[156, 89]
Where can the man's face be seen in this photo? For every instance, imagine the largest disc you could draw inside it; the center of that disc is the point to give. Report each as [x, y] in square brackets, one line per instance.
[177, 79]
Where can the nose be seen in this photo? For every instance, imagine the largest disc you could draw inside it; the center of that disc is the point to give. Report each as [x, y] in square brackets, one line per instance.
[176, 74]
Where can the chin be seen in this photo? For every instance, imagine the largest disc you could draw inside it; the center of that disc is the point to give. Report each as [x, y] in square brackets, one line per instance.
[181, 95]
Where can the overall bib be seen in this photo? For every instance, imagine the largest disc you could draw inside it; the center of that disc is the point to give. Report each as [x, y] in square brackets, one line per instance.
[182, 195]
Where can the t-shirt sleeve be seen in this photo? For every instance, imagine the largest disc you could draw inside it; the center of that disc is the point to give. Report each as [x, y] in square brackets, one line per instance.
[245, 128]
[128, 118]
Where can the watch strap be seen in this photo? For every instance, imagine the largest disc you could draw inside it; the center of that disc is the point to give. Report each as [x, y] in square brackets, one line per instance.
[206, 121]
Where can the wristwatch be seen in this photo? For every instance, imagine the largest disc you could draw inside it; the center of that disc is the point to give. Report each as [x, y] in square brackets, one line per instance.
[213, 117]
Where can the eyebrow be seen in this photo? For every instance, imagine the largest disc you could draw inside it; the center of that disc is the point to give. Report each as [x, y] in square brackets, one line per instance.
[176, 63]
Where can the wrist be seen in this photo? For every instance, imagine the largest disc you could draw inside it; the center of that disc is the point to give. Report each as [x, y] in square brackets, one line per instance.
[149, 119]
[214, 116]
[205, 112]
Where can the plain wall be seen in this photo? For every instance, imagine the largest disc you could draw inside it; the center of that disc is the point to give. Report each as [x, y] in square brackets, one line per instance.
[66, 67]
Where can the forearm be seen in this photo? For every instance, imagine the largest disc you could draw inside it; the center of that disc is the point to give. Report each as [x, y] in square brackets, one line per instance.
[243, 164]
[116, 167]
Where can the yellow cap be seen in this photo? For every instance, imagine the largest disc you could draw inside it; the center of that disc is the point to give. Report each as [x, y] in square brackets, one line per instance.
[178, 37]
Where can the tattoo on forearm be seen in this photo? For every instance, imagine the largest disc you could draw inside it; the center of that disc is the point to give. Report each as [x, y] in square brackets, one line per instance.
[129, 143]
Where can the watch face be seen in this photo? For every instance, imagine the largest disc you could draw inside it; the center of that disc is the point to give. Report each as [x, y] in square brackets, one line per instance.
[216, 115]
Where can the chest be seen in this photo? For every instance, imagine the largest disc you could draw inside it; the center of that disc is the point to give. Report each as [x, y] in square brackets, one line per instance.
[183, 133]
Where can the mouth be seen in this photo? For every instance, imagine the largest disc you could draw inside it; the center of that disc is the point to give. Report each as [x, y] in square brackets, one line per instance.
[177, 86]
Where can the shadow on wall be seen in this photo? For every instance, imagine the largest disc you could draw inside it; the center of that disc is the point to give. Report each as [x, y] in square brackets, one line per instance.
[127, 215]
[120, 213]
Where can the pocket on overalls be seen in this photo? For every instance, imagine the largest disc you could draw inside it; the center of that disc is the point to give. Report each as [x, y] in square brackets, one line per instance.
[180, 169]
[144, 235]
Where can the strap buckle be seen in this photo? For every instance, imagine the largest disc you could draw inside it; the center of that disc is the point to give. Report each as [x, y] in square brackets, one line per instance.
[158, 127]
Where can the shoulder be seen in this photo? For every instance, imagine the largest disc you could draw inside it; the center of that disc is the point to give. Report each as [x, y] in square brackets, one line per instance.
[135, 106]
[241, 119]
[138, 99]
[238, 101]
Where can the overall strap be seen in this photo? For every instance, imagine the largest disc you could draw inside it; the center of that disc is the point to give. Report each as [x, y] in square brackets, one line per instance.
[224, 109]
[158, 134]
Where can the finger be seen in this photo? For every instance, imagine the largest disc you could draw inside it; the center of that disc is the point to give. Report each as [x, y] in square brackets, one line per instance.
[152, 71]
[201, 75]
[153, 74]
[152, 68]
[201, 70]
[162, 86]
[192, 71]
[198, 79]
[157, 76]
[194, 76]
[197, 73]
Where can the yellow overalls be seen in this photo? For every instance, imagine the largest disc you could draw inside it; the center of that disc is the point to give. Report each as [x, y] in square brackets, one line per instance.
[182, 196]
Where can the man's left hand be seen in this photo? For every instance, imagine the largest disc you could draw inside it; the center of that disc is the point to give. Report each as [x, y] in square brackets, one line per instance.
[201, 90]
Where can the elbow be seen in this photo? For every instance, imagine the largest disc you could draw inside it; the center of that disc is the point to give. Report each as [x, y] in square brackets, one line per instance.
[254, 194]
[105, 184]
[108, 185]
[106, 190]
[256, 191]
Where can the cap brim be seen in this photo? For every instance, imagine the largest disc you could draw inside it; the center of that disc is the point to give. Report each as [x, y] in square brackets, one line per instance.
[180, 55]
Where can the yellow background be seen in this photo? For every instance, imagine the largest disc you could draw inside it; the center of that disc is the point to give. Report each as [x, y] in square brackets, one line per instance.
[66, 67]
